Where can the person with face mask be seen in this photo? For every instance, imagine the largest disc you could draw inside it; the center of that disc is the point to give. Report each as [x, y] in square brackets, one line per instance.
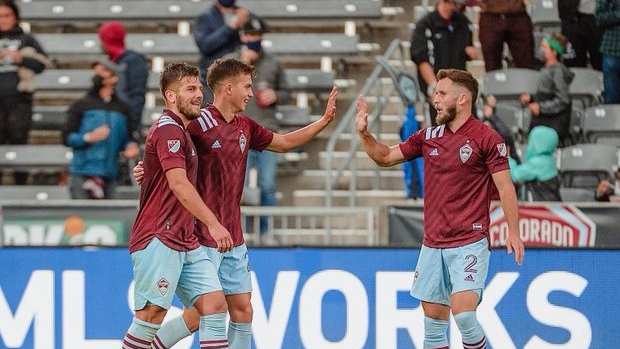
[98, 128]
[217, 33]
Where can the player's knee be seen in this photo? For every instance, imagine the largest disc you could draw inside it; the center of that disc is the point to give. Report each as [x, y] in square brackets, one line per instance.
[466, 320]
[435, 328]
[241, 312]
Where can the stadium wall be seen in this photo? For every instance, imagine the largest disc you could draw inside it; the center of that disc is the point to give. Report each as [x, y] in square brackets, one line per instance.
[329, 298]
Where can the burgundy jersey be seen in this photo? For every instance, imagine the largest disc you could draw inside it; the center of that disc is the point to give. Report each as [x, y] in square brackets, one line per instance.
[161, 215]
[223, 152]
[457, 178]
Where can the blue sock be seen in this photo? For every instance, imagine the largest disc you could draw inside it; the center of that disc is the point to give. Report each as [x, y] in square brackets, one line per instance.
[170, 333]
[213, 331]
[140, 334]
[239, 335]
[435, 333]
[471, 331]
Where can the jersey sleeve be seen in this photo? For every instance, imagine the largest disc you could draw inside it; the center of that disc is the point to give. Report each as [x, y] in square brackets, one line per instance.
[260, 136]
[496, 152]
[412, 146]
[169, 143]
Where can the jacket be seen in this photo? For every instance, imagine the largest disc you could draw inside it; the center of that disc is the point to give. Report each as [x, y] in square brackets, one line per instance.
[131, 85]
[19, 79]
[86, 114]
[433, 41]
[538, 170]
[552, 94]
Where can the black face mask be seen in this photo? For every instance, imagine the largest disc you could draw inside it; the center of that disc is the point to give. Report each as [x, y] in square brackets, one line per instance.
[255, 45]
[97, 82]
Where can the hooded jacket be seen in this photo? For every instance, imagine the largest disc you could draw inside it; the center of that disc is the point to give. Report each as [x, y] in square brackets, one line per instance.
[554, 99]
[538, 170]
[86, 114]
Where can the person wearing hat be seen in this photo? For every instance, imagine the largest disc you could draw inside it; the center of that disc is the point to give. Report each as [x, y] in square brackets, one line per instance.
[133, 74]
[217, 33]
[552, 103]
[98, 129]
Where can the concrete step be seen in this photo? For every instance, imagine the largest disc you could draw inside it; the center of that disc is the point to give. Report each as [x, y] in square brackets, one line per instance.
[364, 198]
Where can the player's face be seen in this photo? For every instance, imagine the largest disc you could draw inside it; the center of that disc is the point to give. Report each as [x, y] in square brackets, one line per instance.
[189, 97]
[445, 101]
[241, 93]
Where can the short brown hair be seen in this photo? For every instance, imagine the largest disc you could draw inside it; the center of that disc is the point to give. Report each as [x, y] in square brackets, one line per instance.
[224, 68]
[461, 78]
[174, 72]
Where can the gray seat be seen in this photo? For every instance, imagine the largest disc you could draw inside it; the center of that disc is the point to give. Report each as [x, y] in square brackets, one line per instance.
[576, 194]
[293, 116]
[49, 117]
[309, 80]
[584, 165]
[507, 84]
[77, 80]
[34, 192]
[86, 47]
[586, 89]
[602, 124]
[545, 15]
[172, 10]
[37, 157]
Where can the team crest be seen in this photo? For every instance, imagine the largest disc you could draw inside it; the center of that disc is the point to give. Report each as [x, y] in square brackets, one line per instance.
[465, 152]
[502, 149]
[174, 145]
[162, 286]
[242, 142]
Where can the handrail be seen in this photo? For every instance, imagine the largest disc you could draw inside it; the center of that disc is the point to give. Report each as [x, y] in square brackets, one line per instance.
[334, 172]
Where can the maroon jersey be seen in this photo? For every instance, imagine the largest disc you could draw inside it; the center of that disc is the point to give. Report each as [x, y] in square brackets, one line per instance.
[457, 178]
[223, 152]
[161, 215]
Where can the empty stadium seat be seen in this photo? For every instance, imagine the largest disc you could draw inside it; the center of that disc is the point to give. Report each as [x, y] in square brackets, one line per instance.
[576, 194]
[507, 84]
[545, 16]
[601, 124]
[586, 89]
[584, 165]
[34, 192]
[39, 157]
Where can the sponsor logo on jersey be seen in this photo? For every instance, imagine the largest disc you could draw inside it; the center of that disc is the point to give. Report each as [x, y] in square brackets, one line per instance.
[502, 149]
[465, 152]
[162, 286]
[174, 145]
[242, 142]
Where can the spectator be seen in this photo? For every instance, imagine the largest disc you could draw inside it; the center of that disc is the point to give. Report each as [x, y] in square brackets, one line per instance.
[21, 57]
[538, 174]
[551, 106]
[97, 129]
[606, 191]
[272, 89]
[217, 33]
[583, 34]
[441, 39]
[506, 21]
[131, 85]
[608, 18]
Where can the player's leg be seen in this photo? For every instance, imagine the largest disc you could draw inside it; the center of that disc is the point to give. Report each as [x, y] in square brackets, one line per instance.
[234, 273]
[468, 267]
[430, 287]
[174, 330]
[200, 287]
[156, 273]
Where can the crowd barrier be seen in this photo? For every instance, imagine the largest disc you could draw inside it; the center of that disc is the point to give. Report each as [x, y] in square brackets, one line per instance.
[331, 298]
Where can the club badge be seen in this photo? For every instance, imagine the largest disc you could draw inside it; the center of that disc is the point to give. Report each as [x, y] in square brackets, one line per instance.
[465, 152]
[242, 142]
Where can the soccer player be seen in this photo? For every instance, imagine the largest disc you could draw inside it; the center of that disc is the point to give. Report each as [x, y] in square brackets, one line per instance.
[165, 253]
[223, 139]
[462, 159]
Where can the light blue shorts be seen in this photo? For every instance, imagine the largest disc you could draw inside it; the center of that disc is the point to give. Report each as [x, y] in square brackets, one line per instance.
[233, 268]
[440, 272]
[160, 272]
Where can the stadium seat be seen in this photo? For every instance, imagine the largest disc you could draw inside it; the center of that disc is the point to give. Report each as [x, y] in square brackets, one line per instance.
[34, 192]
[584, 165]
[41, 157]
[173, 10]
[507, 84]
[293, 116]
[576, 194]
[310, 80]
[49, 117]
[512, 116]
[545, 16]
[586, 89]
[601, 124]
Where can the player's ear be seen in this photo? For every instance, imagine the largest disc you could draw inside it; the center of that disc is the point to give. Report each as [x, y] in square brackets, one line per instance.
[170, 96]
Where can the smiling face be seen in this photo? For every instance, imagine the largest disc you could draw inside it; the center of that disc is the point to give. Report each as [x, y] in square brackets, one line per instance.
[187, 96]
[240, 92]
